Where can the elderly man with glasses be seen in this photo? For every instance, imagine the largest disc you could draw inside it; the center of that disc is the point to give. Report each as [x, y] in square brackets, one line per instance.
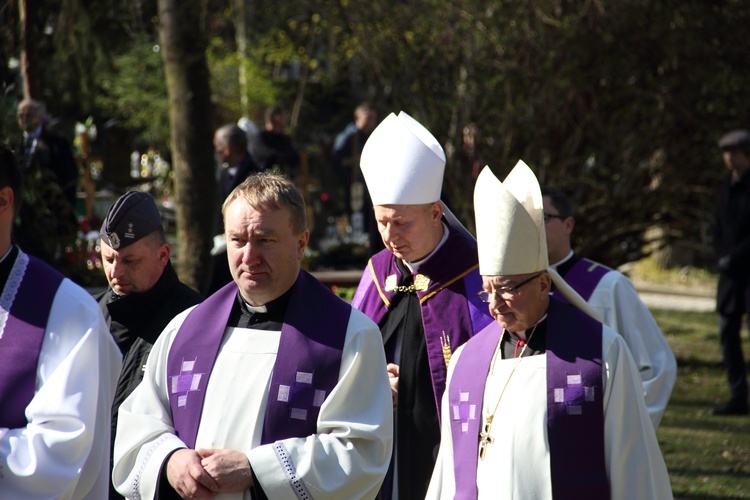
[615, 299]
[545, 402]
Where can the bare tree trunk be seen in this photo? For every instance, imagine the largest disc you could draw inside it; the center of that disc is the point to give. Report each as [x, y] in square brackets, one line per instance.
[241, 16]
[25, 28]
[183, 46]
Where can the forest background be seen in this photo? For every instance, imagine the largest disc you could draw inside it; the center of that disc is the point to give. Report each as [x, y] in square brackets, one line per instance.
[618, 103]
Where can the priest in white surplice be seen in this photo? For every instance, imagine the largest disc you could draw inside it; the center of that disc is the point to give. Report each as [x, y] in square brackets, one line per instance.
[217, 415]
[613, 296]
[545, 402]
[58, 371]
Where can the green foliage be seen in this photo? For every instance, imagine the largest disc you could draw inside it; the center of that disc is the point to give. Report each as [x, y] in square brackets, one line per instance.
[618, 108]
[135, 92]
[224, 67]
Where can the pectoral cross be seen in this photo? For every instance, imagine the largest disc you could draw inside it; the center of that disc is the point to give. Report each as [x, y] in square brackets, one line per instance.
[485, 437]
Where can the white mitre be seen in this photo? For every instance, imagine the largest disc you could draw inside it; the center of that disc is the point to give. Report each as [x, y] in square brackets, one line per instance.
[511, 238]
[402, 163]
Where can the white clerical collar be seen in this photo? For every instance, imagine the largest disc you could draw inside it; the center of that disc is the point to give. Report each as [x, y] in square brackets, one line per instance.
[522, 334]
[414, 266]
[254, 309]
[562, 261]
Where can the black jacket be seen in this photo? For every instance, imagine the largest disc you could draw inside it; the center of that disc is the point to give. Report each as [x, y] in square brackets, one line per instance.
[135, 322]
[732, 245]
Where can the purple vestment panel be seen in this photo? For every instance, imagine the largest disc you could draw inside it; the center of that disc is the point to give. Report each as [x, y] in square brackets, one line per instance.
[575, 415]
[21, 340]
[465, 396]
[575, 409]
[306, 369]
[583, 277]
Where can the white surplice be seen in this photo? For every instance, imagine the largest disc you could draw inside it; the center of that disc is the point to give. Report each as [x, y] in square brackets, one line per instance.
[617, 301]
[63, 452]
[347, 457]
[517, 463]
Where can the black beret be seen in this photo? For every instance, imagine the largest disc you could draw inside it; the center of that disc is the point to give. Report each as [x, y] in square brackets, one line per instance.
[133, 216]
[735, 139]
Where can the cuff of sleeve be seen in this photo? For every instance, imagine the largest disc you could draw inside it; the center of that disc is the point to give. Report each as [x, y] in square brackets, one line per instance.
[150, 475]
[268, 475]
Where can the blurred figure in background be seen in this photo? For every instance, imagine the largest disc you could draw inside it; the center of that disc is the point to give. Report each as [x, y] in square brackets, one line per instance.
[732, 246]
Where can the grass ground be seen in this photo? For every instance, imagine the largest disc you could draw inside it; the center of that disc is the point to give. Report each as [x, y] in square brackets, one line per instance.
[708, 457]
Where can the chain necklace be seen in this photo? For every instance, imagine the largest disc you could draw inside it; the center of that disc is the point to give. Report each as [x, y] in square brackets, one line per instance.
[485, 434]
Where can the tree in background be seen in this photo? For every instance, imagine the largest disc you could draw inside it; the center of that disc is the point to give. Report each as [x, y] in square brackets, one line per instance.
[183, 46]
[618, 108]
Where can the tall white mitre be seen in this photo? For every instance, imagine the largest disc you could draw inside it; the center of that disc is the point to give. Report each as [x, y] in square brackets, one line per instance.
[403, 164]
[511, 238]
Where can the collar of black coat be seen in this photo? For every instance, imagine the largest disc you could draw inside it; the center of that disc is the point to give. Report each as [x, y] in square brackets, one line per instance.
[134, 308]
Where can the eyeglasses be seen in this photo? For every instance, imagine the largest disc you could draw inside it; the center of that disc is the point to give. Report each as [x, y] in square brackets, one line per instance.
[547, 217]
[505, 291]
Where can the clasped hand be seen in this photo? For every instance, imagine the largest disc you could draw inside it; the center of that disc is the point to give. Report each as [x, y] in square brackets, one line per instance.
[204, 473]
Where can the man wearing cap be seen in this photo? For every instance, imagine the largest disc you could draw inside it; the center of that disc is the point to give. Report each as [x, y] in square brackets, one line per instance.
[217, 414]
[545, 402]
[144, 291]
[58, 370]
[732, 247]
[612, 295]
[421, 289]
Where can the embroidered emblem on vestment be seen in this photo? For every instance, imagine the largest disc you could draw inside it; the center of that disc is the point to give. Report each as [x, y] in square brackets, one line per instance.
[301, 395]
[574, 395]
[185, 382]
[464, 411]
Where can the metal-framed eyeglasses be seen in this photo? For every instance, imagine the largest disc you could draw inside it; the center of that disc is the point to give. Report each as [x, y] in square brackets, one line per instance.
[504, 292]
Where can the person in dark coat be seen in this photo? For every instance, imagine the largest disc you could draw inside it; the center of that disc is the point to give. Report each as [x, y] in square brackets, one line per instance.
[732, 245]
[47, 223]
[144, 291]
[235, 165]
[272, 147]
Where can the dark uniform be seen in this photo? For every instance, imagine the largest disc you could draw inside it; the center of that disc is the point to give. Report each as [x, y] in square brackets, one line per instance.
[136, 320]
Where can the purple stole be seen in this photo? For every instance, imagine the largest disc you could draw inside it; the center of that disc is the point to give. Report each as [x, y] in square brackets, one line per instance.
[22, 334]
[305, 372]
[583, 277]
[575, 414]
[450, 303]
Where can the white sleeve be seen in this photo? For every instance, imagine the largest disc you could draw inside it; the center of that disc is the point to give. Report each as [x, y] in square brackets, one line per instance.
[623, 311]
[443, 481]
[635, 465]
[349, 455]
[145, 434]
[63, 452]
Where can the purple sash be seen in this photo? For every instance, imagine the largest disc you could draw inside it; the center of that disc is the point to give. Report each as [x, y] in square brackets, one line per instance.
[449, 304]
[22, 336]
[305, 372]
[575, 414]
[583, 277]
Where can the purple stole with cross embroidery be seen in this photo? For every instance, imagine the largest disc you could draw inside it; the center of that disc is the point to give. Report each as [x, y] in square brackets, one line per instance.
[305, 372]
[575, 413]
[583, 277]
[25, 306]
[449, 304]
